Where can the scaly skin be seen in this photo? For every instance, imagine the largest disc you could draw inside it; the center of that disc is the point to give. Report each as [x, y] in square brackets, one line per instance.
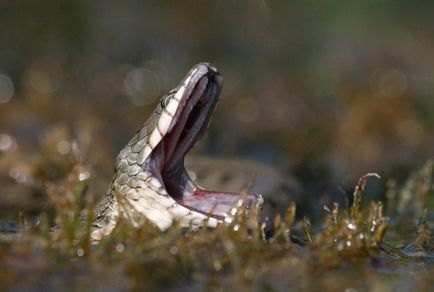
[136, 191]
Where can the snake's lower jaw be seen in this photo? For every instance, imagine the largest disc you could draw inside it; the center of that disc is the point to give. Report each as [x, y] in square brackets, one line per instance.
[204, 208]
[220, 205]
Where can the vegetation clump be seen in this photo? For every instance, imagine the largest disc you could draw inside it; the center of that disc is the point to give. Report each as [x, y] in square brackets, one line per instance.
[358, 241]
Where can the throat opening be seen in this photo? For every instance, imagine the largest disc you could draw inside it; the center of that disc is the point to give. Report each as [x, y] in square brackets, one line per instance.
[191, 124]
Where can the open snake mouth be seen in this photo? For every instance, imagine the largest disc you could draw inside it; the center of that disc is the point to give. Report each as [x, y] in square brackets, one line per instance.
[187, 112]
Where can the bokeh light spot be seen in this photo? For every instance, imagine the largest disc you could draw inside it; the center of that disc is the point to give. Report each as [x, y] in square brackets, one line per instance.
[6, 142]
[63, 147]
[44, 76]
[173, 250]
[391, 83]
[18, 175]
[142, 86]
[6, 89]
[120, 247]
[247, 110]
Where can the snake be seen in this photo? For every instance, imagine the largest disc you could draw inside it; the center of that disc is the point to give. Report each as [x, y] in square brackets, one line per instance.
[150, 181]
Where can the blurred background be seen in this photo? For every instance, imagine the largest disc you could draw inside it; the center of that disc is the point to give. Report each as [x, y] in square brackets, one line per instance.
[323, 92]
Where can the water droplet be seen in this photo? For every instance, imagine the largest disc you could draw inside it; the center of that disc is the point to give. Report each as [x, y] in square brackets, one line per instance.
[240, 203]
[374, 224]
[83, 175]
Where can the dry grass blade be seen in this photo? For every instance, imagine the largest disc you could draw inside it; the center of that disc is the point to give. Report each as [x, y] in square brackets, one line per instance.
[424, 239]
[412, 197]
[357, 196]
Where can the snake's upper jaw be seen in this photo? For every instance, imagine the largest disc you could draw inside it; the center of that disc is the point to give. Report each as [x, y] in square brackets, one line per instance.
[189, 124]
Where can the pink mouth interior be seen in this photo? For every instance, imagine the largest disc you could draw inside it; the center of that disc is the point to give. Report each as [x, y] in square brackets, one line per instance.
[218, 204]
[188, 126]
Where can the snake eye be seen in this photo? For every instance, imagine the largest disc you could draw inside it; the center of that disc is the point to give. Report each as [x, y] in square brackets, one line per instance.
[165, 101]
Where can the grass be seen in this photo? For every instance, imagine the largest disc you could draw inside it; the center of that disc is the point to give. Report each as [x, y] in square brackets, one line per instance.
[356, 246]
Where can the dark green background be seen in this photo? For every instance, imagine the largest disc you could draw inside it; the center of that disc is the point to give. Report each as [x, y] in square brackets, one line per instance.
[326, 90]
